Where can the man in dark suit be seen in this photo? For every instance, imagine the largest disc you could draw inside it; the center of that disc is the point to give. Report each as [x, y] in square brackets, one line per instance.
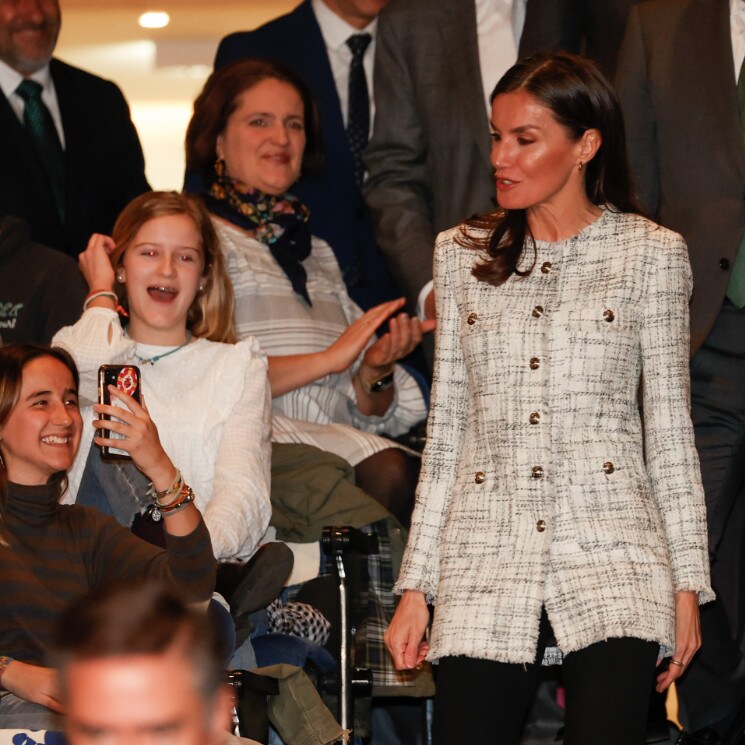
[338, 213]
[69, 187]
[677, 78]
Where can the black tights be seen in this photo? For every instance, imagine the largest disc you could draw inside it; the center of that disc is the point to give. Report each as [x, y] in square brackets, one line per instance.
[608, 686]
[390, 477]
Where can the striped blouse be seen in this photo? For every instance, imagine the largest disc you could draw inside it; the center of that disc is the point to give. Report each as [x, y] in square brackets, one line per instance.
[323, 413]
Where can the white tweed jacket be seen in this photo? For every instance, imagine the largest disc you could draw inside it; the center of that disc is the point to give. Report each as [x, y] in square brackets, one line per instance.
[537, 486]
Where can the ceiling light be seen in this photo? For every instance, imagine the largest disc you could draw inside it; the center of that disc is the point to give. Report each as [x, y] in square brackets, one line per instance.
[154, 19]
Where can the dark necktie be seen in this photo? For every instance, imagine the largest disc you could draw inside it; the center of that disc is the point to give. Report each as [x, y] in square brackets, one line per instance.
[358, 121]
[40, 125]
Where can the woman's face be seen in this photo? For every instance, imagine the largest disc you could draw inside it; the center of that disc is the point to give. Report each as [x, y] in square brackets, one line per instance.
[42, 433]
[264, 139]
[161, 271]
[535, 162]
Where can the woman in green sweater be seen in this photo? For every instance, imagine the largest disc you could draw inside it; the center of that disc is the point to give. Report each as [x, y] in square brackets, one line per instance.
[51, 554]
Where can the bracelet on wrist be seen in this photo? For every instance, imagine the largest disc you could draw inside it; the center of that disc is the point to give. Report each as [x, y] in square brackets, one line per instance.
[4, 662]
[94, 294]
[380, 384]
[164, 497]
[158, 512]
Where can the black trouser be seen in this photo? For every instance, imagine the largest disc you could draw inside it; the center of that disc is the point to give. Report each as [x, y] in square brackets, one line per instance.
[715, 681]
[607, 695]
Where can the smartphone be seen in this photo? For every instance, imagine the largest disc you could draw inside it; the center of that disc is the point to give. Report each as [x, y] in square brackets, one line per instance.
[125, 378]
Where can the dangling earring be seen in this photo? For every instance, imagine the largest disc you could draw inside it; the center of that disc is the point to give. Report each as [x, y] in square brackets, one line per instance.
[580, 166]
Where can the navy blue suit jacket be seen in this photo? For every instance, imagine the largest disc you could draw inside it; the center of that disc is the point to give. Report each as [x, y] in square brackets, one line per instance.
[339, 214]
[104, 164]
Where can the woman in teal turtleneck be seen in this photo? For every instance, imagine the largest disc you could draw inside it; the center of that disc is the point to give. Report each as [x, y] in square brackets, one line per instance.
[51, 554]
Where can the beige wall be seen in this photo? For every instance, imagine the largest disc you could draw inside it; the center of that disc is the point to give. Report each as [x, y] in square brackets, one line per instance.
[160, 71]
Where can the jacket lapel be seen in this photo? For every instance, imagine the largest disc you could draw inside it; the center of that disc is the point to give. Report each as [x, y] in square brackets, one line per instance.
[316, 69]
[68, 107]
[18, 142]
[460, 45]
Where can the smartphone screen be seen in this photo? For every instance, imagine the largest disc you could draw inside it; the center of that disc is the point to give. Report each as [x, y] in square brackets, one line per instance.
[125, 378]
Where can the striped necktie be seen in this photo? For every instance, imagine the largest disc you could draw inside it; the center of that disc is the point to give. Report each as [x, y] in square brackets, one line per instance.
[40, 126]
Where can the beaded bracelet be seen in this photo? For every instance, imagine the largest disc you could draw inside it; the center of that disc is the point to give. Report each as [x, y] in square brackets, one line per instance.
[4, 662]
[100, 293]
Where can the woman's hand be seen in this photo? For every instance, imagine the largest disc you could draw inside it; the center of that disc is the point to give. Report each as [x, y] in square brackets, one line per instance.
[141, 439]
[95, 264]
[348, 347]
[33, 683]
[403, 336]
[405, 634]
[687, 637]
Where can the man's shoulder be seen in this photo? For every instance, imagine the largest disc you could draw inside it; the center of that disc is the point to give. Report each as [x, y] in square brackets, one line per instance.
[241, 43]
[67, 76]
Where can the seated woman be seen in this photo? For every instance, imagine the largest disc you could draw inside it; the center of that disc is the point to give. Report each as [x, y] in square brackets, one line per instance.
[51, 554]
[255, 127]
[211, 399]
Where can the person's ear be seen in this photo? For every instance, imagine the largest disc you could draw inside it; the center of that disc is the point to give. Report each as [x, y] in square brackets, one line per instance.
[219, 147]
[589, 145]
[121, 275]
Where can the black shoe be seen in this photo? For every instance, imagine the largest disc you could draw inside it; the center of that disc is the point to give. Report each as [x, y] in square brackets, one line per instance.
[705, 736]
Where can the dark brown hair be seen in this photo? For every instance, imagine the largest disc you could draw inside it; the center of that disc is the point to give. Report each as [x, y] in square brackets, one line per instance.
[219, 99]
[580, 98]
[140, 617]
[13, 360]
[210, 315]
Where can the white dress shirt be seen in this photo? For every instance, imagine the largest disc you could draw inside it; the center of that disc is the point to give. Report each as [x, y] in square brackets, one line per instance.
[335, 32]
[737, 28]
[10, 80]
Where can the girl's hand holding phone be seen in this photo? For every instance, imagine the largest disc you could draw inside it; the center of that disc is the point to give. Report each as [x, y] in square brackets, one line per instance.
[139, 437]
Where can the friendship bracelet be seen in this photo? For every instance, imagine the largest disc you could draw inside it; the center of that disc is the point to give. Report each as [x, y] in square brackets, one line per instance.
[185, 502]
[91, 296]
[186, 497]
[173, 490]
[4, 662]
